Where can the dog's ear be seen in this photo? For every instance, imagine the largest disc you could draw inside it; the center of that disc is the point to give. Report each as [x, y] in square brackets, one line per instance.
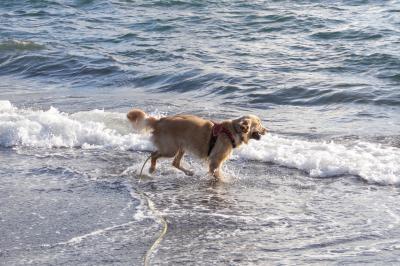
[245, 125]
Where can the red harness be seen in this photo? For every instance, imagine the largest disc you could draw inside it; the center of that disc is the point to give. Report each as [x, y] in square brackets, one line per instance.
[217, 130]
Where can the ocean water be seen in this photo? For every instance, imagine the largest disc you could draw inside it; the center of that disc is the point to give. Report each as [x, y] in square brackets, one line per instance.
[322, 187]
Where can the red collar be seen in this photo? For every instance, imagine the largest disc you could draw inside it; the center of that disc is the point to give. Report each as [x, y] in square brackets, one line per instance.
[217, 130]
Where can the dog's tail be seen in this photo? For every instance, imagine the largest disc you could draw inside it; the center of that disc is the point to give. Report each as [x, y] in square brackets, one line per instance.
[140, 120]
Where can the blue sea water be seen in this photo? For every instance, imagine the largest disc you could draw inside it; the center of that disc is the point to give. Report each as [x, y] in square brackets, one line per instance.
[320, 188]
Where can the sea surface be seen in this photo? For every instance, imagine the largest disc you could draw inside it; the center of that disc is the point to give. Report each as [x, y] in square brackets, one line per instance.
[321, 188]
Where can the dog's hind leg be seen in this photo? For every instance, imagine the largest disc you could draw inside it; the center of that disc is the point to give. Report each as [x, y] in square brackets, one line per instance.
[158, 154]
[154, 156]
[177, 163]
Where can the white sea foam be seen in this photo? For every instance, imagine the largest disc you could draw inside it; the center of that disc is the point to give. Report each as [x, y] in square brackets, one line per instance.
[370, 161]
[99, 129]
[5, 106]
[78, 239]
[52, 128]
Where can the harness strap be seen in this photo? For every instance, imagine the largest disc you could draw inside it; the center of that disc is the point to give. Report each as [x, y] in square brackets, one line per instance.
[217, 130]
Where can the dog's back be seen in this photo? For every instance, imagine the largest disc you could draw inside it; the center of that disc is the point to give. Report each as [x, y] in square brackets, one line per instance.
[186, 132]
[170, 134]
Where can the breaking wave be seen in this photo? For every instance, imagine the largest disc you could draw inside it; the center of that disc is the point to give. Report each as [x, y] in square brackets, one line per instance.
[52, 128]
[372, 162]
[18, 45]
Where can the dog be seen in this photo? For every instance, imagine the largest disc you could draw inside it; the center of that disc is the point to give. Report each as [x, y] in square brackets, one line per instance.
[173, 136]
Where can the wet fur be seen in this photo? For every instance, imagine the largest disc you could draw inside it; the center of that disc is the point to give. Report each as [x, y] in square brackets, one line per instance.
[176, 135]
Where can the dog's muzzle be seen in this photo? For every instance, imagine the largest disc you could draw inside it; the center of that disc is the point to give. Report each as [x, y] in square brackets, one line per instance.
[256, 135]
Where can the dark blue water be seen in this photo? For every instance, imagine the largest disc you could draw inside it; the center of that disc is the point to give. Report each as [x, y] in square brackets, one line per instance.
[321, 188]
[258, 54]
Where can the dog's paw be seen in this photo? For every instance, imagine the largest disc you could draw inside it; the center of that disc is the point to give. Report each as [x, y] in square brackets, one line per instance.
[189, 173]
[152, 170]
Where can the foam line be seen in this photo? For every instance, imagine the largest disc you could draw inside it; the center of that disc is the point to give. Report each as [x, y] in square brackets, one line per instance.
[100, 129]
[370, 161]
[52, 128]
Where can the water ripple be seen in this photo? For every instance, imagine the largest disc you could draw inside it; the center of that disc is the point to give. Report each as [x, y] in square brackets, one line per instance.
[289, 53]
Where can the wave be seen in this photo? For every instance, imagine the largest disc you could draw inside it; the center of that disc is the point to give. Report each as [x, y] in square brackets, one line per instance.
[16, 45]
[241, 50]
[58, 66]
[52, 128]
[372, 162]
[348, 34]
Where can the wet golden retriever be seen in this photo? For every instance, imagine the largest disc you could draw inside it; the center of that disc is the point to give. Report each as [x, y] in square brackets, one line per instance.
[175, 135]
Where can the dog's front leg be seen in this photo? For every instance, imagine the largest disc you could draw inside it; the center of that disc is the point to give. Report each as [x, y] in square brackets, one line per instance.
[215, 169]
[216, 161]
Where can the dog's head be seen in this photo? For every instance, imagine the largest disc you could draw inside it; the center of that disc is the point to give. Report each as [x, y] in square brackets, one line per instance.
[249, 127]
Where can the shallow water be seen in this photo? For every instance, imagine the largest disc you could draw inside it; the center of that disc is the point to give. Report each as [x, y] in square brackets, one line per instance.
[320, 188]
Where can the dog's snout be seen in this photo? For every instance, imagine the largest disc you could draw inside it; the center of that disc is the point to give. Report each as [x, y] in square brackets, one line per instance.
[256, 135]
